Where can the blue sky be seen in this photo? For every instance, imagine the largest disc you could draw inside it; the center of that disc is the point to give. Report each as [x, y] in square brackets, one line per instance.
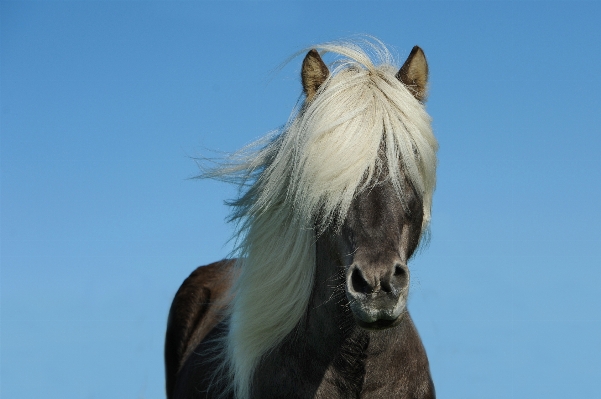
[103, 104]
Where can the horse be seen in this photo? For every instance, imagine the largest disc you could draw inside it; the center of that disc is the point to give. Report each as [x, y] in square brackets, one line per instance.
[331, 209]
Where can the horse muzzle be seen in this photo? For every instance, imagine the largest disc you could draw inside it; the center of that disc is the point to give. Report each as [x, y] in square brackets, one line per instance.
[377, 295]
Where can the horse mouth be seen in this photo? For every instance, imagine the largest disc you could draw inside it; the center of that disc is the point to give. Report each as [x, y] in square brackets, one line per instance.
[380, 324]
[379, 315]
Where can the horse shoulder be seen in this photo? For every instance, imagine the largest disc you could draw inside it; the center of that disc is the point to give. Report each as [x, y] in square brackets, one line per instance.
[196, 309]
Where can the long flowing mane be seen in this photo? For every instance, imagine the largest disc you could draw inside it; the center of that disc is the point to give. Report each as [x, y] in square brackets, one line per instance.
[363, 125]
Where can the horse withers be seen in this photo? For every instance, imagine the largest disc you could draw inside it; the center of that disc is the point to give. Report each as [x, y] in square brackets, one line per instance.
[332, 209]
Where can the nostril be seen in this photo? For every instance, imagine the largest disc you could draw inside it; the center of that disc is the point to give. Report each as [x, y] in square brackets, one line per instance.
[399, 271]
[359, 284]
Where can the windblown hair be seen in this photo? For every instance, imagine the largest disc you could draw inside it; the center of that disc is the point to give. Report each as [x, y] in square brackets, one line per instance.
[363, 125]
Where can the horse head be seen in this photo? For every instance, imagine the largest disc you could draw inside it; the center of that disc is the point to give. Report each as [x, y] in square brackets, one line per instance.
[382, 227]
[377, 240]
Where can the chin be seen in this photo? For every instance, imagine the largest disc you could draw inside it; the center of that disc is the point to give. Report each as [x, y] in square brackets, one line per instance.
[381, 324]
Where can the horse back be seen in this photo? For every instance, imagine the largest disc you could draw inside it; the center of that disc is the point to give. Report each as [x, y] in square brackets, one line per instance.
[196, 309]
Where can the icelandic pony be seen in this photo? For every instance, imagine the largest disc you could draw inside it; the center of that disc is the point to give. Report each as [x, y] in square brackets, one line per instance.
[332, 207]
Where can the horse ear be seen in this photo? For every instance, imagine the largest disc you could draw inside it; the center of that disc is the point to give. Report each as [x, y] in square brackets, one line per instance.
[414, 73]
[313, 74]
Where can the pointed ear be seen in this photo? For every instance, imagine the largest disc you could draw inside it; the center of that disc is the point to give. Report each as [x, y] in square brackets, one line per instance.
[414, 73]
[313, 74]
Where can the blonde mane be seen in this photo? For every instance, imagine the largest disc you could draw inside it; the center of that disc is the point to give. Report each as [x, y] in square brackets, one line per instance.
[303, 178]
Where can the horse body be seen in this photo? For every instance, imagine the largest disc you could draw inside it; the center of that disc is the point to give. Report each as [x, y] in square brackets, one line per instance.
[316, 308]
[317, 360]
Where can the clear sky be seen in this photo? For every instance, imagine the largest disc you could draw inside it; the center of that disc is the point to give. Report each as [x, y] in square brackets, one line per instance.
[104, 104]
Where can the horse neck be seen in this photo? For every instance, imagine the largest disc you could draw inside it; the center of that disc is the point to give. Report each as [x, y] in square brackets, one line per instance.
[329, 325]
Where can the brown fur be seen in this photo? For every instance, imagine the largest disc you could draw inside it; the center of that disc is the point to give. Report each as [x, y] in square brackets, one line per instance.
[196, 309]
